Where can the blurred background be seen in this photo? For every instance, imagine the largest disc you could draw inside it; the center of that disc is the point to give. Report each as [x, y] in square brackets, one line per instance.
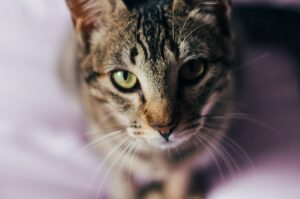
[41, 127]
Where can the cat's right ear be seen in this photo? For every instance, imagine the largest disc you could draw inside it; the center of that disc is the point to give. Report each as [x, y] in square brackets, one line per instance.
[92, 15]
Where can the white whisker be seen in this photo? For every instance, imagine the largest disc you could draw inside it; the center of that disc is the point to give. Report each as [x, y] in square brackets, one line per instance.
[246, 118]
[97, 141]
[182, 28]
[212, 155]
[122, 164]
[235, 147]
[131, 163]
[252, 61]
[220, 153]
[114, 150]
[112, 165]
[188, 35]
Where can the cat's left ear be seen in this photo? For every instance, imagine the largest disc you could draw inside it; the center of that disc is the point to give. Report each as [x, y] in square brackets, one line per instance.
[90, 16]
[209, 11]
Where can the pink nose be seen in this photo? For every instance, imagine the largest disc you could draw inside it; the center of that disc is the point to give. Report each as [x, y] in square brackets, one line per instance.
[165, 131]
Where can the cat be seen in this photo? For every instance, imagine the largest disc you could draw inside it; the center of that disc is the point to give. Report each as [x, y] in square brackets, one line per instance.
[156, 83]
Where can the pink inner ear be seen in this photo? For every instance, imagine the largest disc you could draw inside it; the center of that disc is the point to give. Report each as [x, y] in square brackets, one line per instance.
[88, 15]
[84, 15]
[80, 11]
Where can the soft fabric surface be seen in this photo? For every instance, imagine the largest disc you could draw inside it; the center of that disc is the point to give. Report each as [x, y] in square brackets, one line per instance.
[41, 128]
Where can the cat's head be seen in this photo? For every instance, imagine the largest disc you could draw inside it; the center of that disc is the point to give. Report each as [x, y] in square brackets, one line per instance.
[159, 67]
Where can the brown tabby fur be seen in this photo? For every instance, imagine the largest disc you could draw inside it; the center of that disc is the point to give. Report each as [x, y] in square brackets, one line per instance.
[154, 42]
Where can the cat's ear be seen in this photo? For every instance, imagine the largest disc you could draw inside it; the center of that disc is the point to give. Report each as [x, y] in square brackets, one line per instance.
[91, 15]
[209, 11]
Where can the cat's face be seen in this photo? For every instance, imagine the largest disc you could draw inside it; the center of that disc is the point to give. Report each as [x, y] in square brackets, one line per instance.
[159, 70]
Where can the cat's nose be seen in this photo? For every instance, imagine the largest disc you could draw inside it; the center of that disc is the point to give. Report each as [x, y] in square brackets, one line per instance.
[165, 131]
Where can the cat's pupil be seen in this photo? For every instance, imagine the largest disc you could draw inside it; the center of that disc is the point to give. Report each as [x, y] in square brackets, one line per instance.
[192, 69]
[125, 75]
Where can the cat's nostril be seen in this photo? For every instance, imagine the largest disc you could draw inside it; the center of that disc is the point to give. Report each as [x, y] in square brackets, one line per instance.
[166, 136]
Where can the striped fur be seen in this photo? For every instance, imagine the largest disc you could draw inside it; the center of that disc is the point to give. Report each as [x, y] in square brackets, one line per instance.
[154, 41]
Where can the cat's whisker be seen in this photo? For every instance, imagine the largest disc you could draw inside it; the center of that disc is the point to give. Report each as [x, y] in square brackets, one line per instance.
[231, 143]
[232, 103]
[252, 61]
[169, 153]
[226, 153]
[127, 156]
[117, 159]
[179, 154]
[246, 118]
[96, 133]
[194, 30]
[182, 28]
[132, 160]
[152, 153]
[235, 147]
[108, 114]
[228, 164]
[102, 123]
[212, 155]
[121, 165]
[258, 122]
[97, 141]
[235, 168]
[104, 137]
[109, 155]
[173, 24]
[89, 145]
[231, 113]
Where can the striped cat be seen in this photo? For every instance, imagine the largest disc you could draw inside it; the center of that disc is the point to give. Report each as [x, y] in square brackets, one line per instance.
[155, 81]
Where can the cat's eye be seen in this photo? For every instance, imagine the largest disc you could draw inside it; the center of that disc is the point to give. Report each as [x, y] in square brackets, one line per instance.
[124, 80]
[192, 72]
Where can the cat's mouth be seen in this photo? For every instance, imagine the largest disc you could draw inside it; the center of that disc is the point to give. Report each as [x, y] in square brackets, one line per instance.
[173, 142]
[155, 139]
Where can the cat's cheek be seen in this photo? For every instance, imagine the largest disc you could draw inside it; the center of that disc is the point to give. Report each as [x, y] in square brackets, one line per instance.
[139, 134]
[132, 133]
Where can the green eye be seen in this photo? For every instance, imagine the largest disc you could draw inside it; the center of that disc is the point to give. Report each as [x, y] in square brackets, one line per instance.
[124, 80]
[192, 72]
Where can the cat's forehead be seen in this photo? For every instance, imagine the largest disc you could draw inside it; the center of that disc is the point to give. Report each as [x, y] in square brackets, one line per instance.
[140, 39]
[157, 37]
[156, 33]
